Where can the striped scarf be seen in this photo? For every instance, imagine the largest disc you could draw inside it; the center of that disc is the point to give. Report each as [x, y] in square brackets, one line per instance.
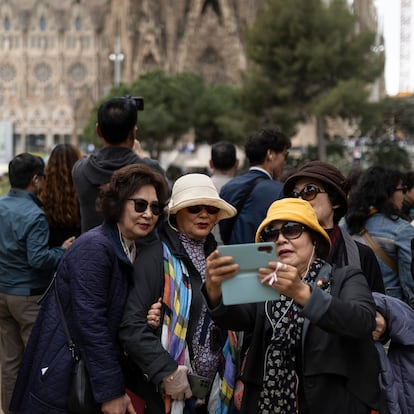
[177, 301]
[229, 375]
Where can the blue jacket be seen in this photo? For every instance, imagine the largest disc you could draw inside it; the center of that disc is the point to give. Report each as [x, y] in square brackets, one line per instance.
[25, 257]
[93, 280]
[397, 366]
[394, 237]
[255, 207]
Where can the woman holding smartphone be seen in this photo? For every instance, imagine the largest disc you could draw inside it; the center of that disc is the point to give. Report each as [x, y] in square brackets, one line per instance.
[311, 352]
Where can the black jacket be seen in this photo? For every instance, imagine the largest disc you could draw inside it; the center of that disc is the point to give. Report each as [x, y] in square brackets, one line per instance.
[337, 347]
[148, 362]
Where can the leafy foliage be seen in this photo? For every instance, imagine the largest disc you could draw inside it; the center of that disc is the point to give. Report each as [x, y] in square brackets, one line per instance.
[392, 116]
[308, 60]
[390, 154]
[176, 103]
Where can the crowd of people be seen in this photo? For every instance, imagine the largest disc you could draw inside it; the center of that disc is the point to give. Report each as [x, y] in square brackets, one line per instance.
[103, 260]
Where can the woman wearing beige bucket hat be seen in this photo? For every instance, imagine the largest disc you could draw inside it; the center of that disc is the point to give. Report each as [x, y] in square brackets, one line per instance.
[311, 352]
[186, 340]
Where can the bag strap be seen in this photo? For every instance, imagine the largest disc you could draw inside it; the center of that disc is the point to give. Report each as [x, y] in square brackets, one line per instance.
[351, 249]
[71, 344]
[249, 190]
[378, 250]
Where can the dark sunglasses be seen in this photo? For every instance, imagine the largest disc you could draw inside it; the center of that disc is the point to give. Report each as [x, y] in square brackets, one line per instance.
[289, 230]
[197, 209]
[141, 205]
[308, 193]
[404, 189]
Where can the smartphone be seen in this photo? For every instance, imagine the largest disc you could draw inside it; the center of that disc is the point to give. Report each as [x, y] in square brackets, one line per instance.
[200, 386]
[245, 287]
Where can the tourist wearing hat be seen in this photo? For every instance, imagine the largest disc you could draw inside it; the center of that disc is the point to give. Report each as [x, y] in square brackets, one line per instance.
[311, 351]
[173, 268]
[323, 185]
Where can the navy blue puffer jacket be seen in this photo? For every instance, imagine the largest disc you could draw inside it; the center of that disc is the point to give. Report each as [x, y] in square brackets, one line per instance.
[93, 279]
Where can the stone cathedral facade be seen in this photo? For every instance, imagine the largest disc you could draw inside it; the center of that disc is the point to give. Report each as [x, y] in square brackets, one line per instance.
[55, 55]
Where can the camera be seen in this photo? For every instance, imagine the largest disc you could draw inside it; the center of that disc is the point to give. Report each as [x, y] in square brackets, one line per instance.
[138, 102]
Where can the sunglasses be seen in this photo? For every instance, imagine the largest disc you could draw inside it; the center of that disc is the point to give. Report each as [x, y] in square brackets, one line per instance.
[197, 209]
[141, 205]
[308, 193]
[289, 230]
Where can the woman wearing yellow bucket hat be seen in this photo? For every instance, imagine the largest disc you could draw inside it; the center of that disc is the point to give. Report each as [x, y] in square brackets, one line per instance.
[311, 352]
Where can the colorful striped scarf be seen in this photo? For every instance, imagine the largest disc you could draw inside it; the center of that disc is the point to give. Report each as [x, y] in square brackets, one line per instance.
[177, 302]
[229, 375]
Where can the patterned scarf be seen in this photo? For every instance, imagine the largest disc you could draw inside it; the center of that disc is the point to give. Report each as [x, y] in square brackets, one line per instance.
[177, 301]
[178, 288]
[280, 382]
[229, 376]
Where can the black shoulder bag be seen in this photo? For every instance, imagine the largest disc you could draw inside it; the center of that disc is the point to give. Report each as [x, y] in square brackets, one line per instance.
[80, 397]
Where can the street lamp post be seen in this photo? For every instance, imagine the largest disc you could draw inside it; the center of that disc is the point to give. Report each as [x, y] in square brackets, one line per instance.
[117, 57]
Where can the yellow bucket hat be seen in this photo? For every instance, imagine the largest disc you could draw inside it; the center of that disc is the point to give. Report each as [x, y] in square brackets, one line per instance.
[293, 209]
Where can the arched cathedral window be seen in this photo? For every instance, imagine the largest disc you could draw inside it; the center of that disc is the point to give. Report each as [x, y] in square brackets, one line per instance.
[42, 24]
[7, 24]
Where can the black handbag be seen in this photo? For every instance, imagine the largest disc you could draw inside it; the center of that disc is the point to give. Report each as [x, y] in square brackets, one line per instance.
[80, 397]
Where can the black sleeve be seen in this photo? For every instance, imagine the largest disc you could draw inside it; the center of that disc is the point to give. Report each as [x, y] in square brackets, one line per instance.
[371, 268]
[141, 342]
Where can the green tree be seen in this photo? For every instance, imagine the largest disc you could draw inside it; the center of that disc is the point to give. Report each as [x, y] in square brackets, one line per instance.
[390, 154]
[219, 115]
[168, 107]
[308, 60]
[173, 104]
[393, 116]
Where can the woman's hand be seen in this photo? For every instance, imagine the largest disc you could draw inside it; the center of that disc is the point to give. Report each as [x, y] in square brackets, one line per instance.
[218, 269]
[154, 314]
[176, 384]
[380, 327]
[286, 280]
[121, 405]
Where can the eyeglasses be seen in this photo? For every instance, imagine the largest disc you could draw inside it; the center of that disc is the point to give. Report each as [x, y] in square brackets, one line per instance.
[308, 193]
[289, 230]
[404, 189]
[197, 209]
[141, 205]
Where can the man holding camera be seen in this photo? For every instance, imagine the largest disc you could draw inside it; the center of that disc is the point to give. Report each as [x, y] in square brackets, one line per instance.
[117, 127]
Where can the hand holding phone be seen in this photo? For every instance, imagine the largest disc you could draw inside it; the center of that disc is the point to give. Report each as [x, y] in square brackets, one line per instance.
[245, 287]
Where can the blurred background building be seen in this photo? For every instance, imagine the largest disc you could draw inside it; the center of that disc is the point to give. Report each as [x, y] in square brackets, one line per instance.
[57, 58]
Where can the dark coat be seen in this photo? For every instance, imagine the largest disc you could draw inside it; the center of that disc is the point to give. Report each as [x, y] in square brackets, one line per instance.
[397, 374]
[337, 346]
[149, 362]
[93, 280]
